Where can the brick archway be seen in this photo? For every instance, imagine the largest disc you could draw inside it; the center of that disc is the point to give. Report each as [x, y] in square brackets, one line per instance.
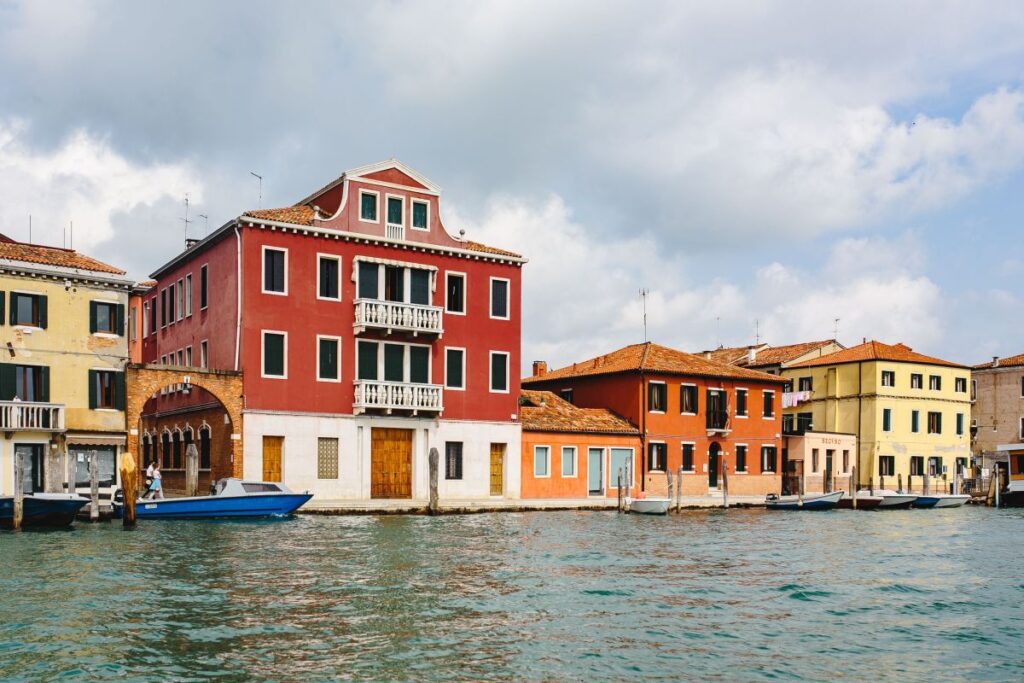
[144, 380]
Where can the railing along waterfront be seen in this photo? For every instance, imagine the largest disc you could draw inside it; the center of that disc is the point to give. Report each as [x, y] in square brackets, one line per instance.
[389, 396]
[397, 315]
[31, 416]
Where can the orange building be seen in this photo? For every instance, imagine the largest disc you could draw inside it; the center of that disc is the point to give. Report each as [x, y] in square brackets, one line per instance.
[692, 412]
[572, 452]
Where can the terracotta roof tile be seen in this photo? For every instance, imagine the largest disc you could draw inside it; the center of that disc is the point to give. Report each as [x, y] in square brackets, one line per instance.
[876, 350]
[766, 354]
[543, 411]
[650, 357]
[476, 246]
[1009, 362]
[53, 256]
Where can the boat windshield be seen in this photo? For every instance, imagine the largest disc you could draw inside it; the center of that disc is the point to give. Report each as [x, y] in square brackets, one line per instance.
[260, 487]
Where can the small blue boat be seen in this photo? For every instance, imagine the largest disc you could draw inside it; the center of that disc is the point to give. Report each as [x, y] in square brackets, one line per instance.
[42, 510]
[814, 501]
[231, 498]
[941, 500]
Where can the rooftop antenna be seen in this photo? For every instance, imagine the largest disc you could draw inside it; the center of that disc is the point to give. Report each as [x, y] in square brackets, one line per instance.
[718, 331]
[259, 178]
[757, 332]
[30, 228]
[71, 234]
[835, 329]
[643, 295]
[206, 223]
[186, 218]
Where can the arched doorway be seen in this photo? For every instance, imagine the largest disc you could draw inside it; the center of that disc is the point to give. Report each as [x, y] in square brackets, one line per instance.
[714, 458]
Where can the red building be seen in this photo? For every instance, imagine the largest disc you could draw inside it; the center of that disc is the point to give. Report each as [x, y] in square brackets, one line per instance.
[691, 411]
[367, 335]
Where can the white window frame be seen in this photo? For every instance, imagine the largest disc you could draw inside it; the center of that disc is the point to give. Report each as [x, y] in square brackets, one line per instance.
[188, 295]
[765, 392]
[263, 353]
[694, 462]
[446, 350]
[181, 299]
[664, 465]
[490, 371]
[465, 292]
[204, 269]
[387, 200]
[746, 459]
[188, 355]
[204, 354]
[376, 202]
[575, 463]
[327, 257]
[263, 269]
[548, 468]
[508, 299]
[412, 202]
[647, 399]
[746, 392]
[337, 340]
[683, 384]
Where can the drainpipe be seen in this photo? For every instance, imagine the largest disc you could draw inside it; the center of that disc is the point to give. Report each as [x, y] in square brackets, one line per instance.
[238, 287]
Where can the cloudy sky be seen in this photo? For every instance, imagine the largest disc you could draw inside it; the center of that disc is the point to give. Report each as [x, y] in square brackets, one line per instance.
[755, 166]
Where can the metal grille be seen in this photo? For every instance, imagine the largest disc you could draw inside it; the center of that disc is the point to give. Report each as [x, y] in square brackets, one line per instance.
[327, 459]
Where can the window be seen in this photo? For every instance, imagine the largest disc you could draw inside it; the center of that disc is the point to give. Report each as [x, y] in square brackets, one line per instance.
[541, 461]
[328, 350]
[974, 389]
[401, 362]
[814, 460]
[204, 354]
[203, 287]
[204, 448]
[688, 457]
[170, 305]
[934, 466]
[420, 214]
[132, 324]
[846, 461]
[917, 381]
[741, 403]
[934, 423]
[455, 368]
[367, 360]
[916, 465]
[961, 466]
[915, 421]
[455, 293]
[25, 382]
[960, 385]
[368, 205]
[152, 316]
[396, 211]
[275, 350]
[369, 286]
[741, 458]
[806, 384]
[394, 283]
[886, 419]
[886, 465]
[499, 372]
[329, 276]
[768, 458]
[568, 461]
[453, 460]
[188, 356]
[181, 358]
[888, 378]
[28, 309]
[176, 458]
[804, 422]
[106, 389]
[181, 299]
[275, 275]
[163, 307]
[188, 294]
[657, 397]
[499, 298]
[959, 424]
[769, 404]
[656, 453]
[566, 395]
[935, 382]
[106, 317]
[1022, 431]
[687, 399]
[620, 458]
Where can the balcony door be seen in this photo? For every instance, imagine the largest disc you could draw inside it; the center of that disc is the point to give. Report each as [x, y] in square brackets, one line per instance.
[714, 458]
[716, 415]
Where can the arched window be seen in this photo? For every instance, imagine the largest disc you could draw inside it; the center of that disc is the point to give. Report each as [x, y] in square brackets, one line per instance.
[189, 433]
[204, 448]
[165, 450]
[177, 459]
[146, 454]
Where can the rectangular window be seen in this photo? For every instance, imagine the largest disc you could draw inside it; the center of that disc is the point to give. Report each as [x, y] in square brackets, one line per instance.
[886, 419]
[768, 458]
[769, 404]
[396, 209]
[888, 378]
[394, 283]
[369, 287]
[846, 461]
[275, 275]
[656, 455]
[171, 298]
[499, 372]
[28, 309]
[499, 298]
[367, 360]
[181, 299]
[419, 364]
[960, 385]
[1022, 431]
[915, 421]
[152, 315]
[30, 383]
[132, 322]
[203, 287]
[959, 424]
[917, 381]
[688, 457]
[204, 354]
[620, 458]
[804, 422]
[455, 293]
[657, 397]
[741, 403]
[368, 205]
[934, 423]
[806, 384]
[163, 307]
[188, 356]
[455, 368]
[106, 389]
[420, 213]
[188, 294]
[566, 395]
[394, 363]
[935, 382]
[687, 399]
[916, 465]
[275, 349]
[453, 460]
[814, 460]
[961, 466]
[328, 350]
[741, 458]
[326, 458]
[419, 287]
[103, 317]
[330, 277]
[568, 461]
[886, 465]
[934, 466]
[541, 461]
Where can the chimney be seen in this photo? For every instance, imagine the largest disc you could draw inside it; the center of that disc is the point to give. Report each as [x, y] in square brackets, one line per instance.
[540, 368]
[995, 361]
[190, 242]
[707, 355]
[751, 354]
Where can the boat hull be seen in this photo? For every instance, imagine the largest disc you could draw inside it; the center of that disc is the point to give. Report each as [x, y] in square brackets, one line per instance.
[896, 502]
[941, 501]
[42, 510]
[218, 507]
[825, 501]
[864, 502]
[1011, 499]
[649, 506]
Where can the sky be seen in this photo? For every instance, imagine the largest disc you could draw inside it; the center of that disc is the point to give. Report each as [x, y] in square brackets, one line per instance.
[761, 169]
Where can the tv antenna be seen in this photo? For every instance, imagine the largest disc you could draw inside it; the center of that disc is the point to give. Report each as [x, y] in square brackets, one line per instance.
[186, 219]
[643, 295]
[718, 331]
[30, 228]
[258, 177]
[835, 329]
[757, 332]
[206, 224]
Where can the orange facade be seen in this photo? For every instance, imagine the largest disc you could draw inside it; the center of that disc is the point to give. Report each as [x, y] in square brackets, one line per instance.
[575, 465]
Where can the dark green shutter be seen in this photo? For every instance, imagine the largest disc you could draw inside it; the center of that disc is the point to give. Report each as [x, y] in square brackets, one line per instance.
[44, 390]
[119, 390]
[419, 364]
[273, 354]
[42, 312]
[93, 327]
[367, 360]
[119, 308]
[94, 399]
[2, 301]
[367, 280]
[420, 287]
[328, 359]
[8, 384]
[14, 308]
[394, 363]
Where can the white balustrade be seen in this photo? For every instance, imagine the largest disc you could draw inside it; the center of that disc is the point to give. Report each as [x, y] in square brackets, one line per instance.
[31, 416]
[389, 396]
[394, 232]
[396, 315]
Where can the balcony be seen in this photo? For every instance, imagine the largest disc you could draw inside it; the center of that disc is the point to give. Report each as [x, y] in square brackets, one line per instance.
[718, 422]
[394, 232]
[391, 396]
[397, 316]
[27, 416]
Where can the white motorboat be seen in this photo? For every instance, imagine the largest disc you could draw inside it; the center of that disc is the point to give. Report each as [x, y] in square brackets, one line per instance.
[894, 500]
[941, 500]
[648, 506]
[814, 501]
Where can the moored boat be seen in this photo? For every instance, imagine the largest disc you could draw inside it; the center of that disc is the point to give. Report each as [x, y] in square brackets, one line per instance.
[1013, 495]
[232, 498]
[818, 501]
[941, 500]
[865, 501]
[42, 510]
[893, 500]
[648, 506]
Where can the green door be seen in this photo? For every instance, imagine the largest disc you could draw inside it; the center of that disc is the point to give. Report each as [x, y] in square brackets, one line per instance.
[595, 460]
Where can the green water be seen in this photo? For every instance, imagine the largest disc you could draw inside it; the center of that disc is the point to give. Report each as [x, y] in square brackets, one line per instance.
[718, 595]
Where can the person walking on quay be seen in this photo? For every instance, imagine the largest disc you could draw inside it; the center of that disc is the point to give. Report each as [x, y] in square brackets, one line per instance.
[156, 489]
[149, 475]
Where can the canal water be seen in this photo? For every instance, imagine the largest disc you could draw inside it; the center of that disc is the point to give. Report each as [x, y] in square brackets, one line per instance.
[716, 595]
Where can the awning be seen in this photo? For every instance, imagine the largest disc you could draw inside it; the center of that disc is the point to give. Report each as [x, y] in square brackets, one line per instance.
[96, 439]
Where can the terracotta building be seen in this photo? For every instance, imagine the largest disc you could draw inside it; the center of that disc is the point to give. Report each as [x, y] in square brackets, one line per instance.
[997, 414]
[772, 359]
[691, 411]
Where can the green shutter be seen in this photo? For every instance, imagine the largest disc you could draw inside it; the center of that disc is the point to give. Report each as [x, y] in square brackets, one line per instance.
[14, 309]
[44, 391]
[367, 360]
[2, 298]
[119, 390]
[420, 287]
[8, 384]
[394, 362]
[273, 354]
[93, 326]
[419, 364]
[120, 319]
[367, 280]
[328, 359]
[94, 399]
[42, 312]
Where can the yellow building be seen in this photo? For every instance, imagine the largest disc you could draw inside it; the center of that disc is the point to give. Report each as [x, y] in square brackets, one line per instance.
[62, 355]
[910, 412]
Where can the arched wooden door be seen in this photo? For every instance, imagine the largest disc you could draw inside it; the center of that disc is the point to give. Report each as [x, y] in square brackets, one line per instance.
[714, 458]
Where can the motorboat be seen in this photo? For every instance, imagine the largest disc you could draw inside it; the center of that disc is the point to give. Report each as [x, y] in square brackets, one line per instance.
[229, 498]
[814, 501]
[941, 500]
[1013, 495]
[879, 499]
[865, 501]
[42, 509]
[648, 506]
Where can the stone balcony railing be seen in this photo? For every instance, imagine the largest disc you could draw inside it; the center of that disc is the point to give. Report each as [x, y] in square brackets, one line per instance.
[29, 416]
[391, 396]
[398, 316]
[394, 232]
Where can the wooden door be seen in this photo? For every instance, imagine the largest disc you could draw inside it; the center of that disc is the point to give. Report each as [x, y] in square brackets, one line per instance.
[497, 469]
[390, 463]
[273, 446]
[714, 458]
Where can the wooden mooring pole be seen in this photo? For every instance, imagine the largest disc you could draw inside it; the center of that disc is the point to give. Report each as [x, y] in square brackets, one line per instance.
[853, 487]
[899, 482]
[191, 470]
[668, 480]
[725, 482]
[94, 486]
[52, 475]
[434, 462]
[622, 503]
[19, 492]
[130, 488]
[679, 489]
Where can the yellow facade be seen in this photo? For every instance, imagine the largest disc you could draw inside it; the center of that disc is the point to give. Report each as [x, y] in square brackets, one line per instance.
[68, 350]
[851, 397]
